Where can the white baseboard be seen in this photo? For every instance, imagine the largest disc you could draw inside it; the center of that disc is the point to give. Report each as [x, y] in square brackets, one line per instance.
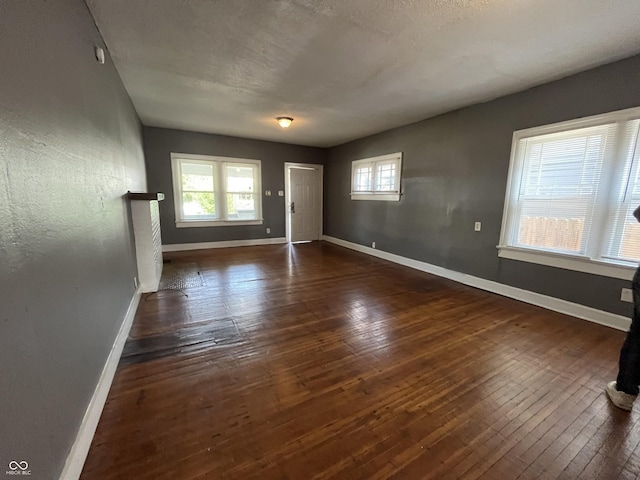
[562, 306]
[80, 448]
[179, 247]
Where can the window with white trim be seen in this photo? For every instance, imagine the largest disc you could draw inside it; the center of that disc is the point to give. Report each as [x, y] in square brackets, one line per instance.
[571, 192]
[214, 191]
[376, 178]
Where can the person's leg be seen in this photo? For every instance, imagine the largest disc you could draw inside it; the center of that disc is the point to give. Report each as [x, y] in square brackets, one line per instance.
[629, 366]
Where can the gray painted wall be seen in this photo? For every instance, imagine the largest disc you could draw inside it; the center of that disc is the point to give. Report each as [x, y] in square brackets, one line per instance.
[70, 148]
[160, 142]
[455, 170]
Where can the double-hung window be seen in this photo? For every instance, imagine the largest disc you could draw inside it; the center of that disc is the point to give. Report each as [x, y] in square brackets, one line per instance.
[214, 191]
[376, 178]
[571, 193]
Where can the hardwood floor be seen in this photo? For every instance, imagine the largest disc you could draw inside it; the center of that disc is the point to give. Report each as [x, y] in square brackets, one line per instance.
[316, 362]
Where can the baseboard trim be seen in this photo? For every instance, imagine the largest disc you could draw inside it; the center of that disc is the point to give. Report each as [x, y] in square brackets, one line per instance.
[179, 247]
[550, 303]
[80, 448]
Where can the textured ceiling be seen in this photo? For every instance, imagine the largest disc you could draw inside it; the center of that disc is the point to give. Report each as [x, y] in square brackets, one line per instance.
[347, 69]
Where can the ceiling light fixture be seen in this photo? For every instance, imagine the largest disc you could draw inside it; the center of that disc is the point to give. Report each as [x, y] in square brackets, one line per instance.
[284, 122]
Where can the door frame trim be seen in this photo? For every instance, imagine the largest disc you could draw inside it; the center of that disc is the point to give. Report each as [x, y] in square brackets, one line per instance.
[287, 195]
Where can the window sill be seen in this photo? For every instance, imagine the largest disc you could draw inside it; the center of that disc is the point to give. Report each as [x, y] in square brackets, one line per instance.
[389, 197]
[215, 223]
[622, 271]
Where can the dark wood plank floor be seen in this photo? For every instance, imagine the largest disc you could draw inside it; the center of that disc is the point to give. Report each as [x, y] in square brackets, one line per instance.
[316, 362]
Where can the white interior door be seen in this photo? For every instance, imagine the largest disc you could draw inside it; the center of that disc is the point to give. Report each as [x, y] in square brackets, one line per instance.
[304, 205]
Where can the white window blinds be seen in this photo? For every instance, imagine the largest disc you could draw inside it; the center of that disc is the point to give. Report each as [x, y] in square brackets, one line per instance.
[572, 191]
[623, 242]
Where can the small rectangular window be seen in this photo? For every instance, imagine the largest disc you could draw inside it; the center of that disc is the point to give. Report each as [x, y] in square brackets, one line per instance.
[214, 191]
[376, 178]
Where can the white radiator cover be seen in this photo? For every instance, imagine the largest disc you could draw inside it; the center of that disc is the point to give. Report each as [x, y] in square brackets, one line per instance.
[146, 228]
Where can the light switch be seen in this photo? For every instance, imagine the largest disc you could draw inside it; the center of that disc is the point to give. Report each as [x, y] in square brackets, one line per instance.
[281, 193]
[267, 193]
[478, 226]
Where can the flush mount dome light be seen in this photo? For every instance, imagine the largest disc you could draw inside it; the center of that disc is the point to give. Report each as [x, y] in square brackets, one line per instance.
[284, 122]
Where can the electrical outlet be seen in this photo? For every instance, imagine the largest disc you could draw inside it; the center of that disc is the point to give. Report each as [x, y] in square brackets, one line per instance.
[626, 295]
[268, 230]
[373, 244]
[478, 226]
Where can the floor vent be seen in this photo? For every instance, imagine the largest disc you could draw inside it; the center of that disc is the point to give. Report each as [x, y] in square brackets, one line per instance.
[178, 276]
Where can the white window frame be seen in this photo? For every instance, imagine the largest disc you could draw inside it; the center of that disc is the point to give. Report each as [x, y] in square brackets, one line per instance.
[219, 187]
[582, 263]
[373, 194]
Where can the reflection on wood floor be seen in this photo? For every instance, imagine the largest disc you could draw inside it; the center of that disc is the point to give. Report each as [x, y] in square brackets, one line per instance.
[316, 362]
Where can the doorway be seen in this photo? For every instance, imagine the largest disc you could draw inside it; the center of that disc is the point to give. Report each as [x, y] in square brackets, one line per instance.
[303, 202]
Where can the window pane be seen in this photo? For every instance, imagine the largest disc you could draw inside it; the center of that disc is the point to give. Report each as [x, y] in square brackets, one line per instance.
[563, 168]
[198, 205]
[197, 176]
[560, 177]
[385, 177]
[564, 232]
[362, 180]
[624, 243]
[240, 177]
[630, 242]
[241, 206]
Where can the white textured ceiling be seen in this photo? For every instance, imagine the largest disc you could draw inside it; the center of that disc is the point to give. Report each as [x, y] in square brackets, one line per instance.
[345, 69]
